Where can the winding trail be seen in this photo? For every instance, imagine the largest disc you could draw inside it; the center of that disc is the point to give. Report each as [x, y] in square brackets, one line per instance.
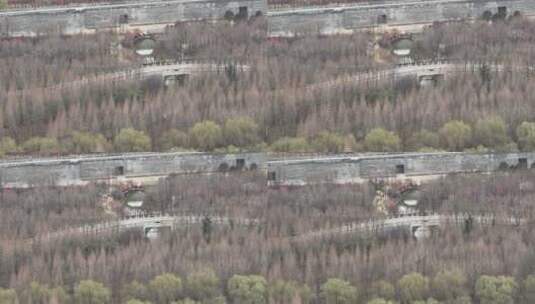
[148, 71]
[142, 222]
[371, 226]
[195, 68]
[411, 221]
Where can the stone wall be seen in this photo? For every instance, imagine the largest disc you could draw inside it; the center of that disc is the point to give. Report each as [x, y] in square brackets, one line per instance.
[137, 14]
[358, 169]
[338, 169]
[73, 171]
[386, 13]
[79, 19]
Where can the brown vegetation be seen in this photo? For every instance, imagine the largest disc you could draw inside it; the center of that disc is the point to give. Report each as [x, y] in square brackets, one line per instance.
[265, 248]
[271, 92]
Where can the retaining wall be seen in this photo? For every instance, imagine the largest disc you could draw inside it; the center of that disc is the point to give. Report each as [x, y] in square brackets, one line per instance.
[88, 18]
[73, 171]
[359, 169]
[386, 13]
[334, 19]
[297, 171]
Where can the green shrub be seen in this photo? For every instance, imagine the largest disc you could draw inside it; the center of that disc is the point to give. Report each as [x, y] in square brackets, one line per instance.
[423, 140]
[328, 142]
[336, 291]
[130, 140]
[413, 287]
[491, 132]
[381, 140]
[206, 136]
[456, 135]
[41, 145]
[172, 139]
[7, 146]
[290, 144]
[241, 132]
[526, 136]
[496, 290]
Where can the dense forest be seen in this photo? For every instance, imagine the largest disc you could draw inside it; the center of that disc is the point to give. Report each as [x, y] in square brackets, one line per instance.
[280, 103]
[382, 266]
[269, 106]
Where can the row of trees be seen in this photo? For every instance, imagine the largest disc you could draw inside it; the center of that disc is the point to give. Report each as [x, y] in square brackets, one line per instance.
[243, 133]
[204, 287]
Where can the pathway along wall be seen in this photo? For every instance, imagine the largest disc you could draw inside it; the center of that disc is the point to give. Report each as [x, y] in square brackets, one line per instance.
[386, 13]
[134, 14]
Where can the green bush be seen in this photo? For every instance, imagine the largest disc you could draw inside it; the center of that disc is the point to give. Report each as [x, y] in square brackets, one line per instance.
[206, 135]
[413, 287]
[528, 289]
[7, 146]
[290, 144]
[336, 291]
[456, 135]
[203, 285]
[283, 292]
[250, 289]
[84, 142]
[381, 140]
[173, 138]
[241, 132]
[130, 140]
[328, 142]
[165, 288]
[134, 290]
[422, 140]
[491, 132]
[526, 136]
[41, 145]
[449, 285]
[383, 289]
[90, 292]
[496, 290]
[8, 296]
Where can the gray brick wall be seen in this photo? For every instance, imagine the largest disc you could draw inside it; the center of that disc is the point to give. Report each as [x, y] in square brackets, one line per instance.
[329, 19]
[358, 169]
[73, 20]
[73, 171]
